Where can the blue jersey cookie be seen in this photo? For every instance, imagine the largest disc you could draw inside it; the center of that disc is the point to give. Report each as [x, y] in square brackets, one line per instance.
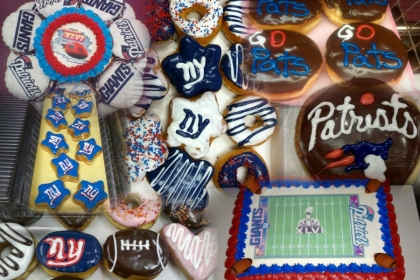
[88, 150]
[56, 143]
[83, 108]
[67, 168]
[194, 69]
[69, 253]
[79, 129]
[91, 194]
[56, 119]
[52, 194]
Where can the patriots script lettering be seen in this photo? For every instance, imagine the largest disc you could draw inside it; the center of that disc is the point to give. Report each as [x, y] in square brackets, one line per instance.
[108, 6]
[134, 48]
[322, 117]
[60, 256]
[282, 7]
[19, 69]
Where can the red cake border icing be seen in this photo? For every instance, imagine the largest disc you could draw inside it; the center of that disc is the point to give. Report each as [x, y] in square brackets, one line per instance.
[55, 63]
[397, 274]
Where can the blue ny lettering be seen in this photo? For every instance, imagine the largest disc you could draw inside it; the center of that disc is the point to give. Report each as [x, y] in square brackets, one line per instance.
[189, 133]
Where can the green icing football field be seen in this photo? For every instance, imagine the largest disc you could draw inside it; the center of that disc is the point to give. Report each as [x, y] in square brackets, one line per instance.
[332, 212]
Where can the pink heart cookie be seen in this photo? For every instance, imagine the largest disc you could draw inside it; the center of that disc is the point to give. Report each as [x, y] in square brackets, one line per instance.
[196, 254]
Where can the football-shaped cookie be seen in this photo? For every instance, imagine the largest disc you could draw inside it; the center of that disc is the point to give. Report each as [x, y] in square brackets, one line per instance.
[136, 253]
[359, 129]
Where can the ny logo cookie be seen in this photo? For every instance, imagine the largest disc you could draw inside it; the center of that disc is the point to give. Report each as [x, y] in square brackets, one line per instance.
[195, 123]
[195, 69]
[195, 253]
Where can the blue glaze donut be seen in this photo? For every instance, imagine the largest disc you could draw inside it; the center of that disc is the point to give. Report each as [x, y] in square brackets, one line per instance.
[228, 165]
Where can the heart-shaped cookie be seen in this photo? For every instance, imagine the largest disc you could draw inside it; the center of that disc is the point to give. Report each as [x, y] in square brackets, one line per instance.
[196, 254]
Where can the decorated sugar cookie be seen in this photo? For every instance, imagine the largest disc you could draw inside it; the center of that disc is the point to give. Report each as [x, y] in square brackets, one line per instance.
[250, 120]
[131, 38]
[181, 241]
[24, 77]
[88, 150]
[55, 143]
[70, 253]
[365, 50]
[56, 119]
[359, 129]
[82, 109]
[121, 85]
[48, 7]
[135, 253]
[73, 45]
[146, 149]
[108, 12]
[52, 194]
[18, 261]
[80, 129]
[275, 64]
[194, 69]
[18, 30]
[90, 194]
[182, 181]
[60, 102]
[195, 123]
[66, 167]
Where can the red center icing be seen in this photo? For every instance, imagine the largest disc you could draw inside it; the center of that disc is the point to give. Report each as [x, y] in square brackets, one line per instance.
[367, 99]
[362, 28]
[52, 59]
[277, 38]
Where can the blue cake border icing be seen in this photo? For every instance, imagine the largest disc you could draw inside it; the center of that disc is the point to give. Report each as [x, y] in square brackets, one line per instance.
[309, 268]
[40, 54]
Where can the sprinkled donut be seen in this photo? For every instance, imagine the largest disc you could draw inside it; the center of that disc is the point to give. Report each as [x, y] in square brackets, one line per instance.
[259, 112]
[228, 165]
[204, 29]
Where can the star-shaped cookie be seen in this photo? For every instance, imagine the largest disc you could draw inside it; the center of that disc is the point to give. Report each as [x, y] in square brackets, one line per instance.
[88, 150]
[56, 119]
[56, 143]
[194, 123]
[194, 69]
[52, 194]
[60, 102]
[91, 194]
[79, 128]
[67, 168]
[83, 108]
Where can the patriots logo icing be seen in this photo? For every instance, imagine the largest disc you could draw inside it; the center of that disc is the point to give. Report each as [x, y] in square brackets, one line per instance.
[91, 194]
[195, 69]
[55, 142]
[66, 166]
[52, 194]
[83, 107]
[79, 127]
[56, 118]
[88, 149]
[60, 102]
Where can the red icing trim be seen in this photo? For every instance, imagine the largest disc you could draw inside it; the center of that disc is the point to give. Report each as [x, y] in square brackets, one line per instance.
[55, 63]
[398, 274]
[360, 29]
[275, 43]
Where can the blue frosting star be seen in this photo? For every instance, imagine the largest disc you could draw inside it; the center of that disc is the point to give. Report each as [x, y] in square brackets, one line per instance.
[195, 69]
[52, 194]
[66, 166]
[83, 107]
[88, 149]
[91, 194]
[56, 118]
[55, 142]
[79, 127]
[60, 102]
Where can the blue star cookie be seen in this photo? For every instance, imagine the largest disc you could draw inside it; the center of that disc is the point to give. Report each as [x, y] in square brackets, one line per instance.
[52, 194]
[79, 128]
[60, 102]
[88, 150]
[56, 143]
[67, 168]
[91, 194]
[194, 69]
[56, 119]
[83, 108]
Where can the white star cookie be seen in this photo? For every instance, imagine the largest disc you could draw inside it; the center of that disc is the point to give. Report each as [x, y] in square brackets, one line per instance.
[195, 123]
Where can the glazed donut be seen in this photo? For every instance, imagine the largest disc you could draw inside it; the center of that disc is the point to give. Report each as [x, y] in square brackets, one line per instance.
[228, 165]
[275, 64]
[260, 112]
[20, 260]
[365, 50]
[146, 211]
[351, 11]
[204, 29]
